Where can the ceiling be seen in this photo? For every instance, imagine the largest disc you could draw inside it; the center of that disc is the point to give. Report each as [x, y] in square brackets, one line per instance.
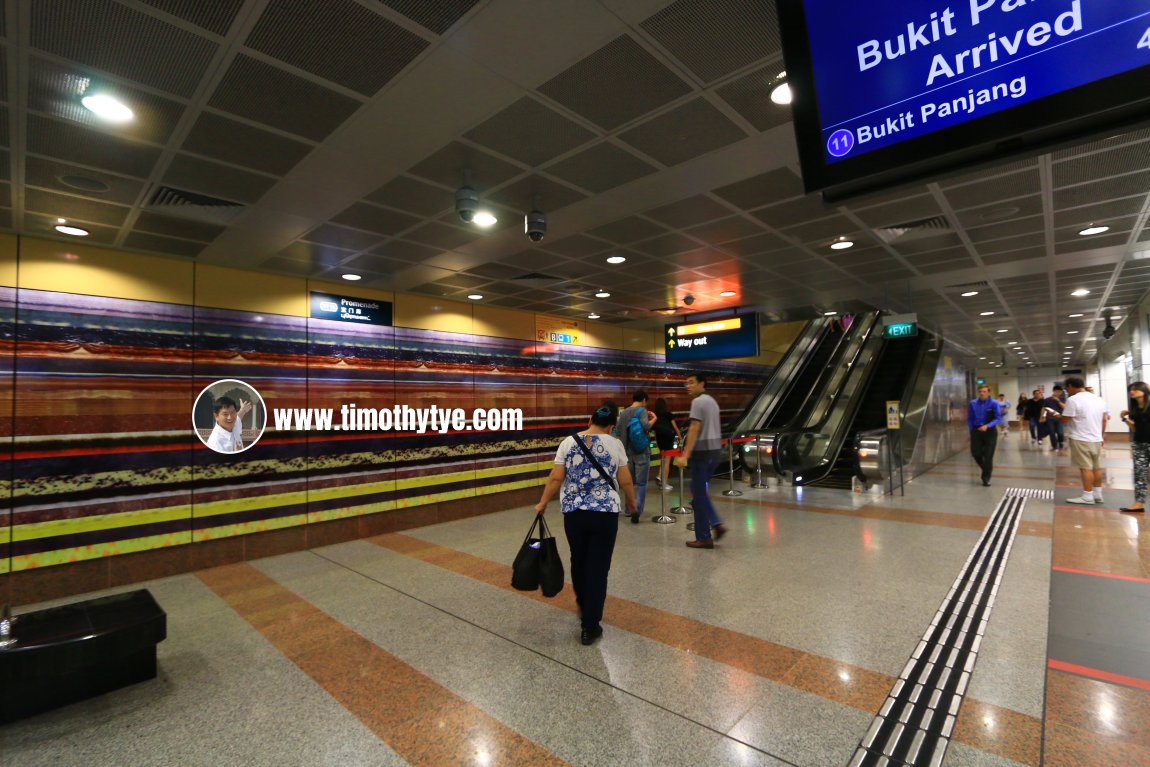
[320, 138]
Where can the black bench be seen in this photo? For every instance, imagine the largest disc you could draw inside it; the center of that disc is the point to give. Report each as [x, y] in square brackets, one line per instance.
[68, 653]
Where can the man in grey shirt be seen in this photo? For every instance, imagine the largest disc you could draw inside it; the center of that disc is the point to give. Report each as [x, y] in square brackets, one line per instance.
[702, 450]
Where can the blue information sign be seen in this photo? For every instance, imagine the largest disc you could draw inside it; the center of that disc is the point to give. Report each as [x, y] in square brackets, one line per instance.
[361, 311]
[917, 67]
[885, 75]
[715, 340]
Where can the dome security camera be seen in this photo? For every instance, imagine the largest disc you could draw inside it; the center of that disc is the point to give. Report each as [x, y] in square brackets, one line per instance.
[535, 225]
[1109, 331]
[466, 203]
[688, 299]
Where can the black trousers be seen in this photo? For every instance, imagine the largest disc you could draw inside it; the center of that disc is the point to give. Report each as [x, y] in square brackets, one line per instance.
[591, 535]
[982, 447]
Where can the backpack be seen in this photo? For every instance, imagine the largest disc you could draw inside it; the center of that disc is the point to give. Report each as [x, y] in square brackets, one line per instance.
[637, 440]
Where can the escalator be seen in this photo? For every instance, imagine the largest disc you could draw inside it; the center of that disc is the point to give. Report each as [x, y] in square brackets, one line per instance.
[808, 448]
[804, 390]
[894, 368]
[766, 402]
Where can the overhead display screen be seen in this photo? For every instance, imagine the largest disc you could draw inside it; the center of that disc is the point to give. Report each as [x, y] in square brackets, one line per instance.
[921, 81]
[714, 340]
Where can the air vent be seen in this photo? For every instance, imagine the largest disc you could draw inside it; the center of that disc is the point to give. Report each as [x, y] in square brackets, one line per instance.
[536, 280]
[197, 207]
[913, 230]
[966, 287]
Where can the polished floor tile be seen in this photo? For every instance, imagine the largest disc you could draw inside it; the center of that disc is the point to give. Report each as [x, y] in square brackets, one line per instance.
[775, 648]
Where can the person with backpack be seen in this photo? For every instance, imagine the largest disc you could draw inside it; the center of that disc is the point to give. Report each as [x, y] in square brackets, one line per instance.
[631, 429]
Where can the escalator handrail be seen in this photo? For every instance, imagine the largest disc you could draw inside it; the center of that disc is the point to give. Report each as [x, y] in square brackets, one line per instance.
[778, 384]
[846, 418]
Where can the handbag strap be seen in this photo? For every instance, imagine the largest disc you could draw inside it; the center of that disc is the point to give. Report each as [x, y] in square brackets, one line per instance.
[587, 452]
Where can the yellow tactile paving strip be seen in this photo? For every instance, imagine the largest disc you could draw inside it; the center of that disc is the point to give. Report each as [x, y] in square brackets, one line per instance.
[1018, 738]
[398, 703]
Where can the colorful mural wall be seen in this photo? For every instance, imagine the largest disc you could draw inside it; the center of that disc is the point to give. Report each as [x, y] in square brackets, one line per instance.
[97, 428]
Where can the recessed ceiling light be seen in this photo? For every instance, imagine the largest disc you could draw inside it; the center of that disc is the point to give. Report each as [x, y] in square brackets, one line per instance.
[982, 358]
[75, 231]
[484, 219]
[83, 183]
[998, 214]
[1116, 317]
[475, 296]
[970, 293]
[1080, 292]
[1067, 347]
[602, 294]
[107, 108]
[1074, 316]
[352, 277]
[829, 314]
[727, 293]
[1071, 332]
[1093, 230]
[1092, 338]
[592, 316]
[1003, 330]
[781, 92]
[616, 259]
[842, 244]
[1012, 343]
[985, 314]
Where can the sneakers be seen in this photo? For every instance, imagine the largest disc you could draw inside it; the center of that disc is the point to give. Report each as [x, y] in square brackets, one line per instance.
[667, 487]
[1080, 500]
[1098, 500]
[986, 483]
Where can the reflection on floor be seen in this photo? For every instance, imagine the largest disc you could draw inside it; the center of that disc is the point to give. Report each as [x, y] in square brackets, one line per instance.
[777, 647]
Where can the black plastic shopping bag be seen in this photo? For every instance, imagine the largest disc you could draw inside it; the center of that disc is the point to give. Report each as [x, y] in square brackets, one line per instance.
[538, 564]
[525, 568]
[550, 565]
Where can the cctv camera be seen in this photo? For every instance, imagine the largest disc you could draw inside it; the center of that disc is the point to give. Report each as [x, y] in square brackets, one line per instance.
[535, 225]
[1108, 331]
[688, 299]
[466, 203]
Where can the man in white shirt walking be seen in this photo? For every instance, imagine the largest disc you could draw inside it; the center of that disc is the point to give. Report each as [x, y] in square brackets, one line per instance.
[1084, 417]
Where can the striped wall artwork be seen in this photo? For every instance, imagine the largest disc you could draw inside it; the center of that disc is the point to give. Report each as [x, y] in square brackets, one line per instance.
[103, 460]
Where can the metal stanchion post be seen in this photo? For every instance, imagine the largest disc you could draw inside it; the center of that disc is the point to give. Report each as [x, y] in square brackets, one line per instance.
[680, 509]
[663, 518]
[732, 492]
[759, 465]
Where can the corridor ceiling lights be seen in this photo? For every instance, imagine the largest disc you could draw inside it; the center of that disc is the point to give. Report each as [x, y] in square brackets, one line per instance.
[64, 227]
[484, 219]
[352, 277]
[985, 314]
[1093, 230]
[476, 296]
[842, 243]
[1080, 293]
[107, 108]
[829, 314]
[1071, 332]
[1003, 330]
[602, 294]
[780, 90]
[970, 293]
[1074, 316]
[728, 293]
[616, 259]
[592, 316]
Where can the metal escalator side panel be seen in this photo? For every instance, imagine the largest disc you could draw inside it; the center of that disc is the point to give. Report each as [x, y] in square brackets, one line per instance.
[917, 396]
[774, 390]
[828, 426]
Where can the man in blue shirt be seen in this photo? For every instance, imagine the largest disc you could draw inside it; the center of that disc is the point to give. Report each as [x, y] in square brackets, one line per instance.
[982, 418]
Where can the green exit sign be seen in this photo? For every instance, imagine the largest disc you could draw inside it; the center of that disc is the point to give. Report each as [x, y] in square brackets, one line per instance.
[979, 381]
[900, 330]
